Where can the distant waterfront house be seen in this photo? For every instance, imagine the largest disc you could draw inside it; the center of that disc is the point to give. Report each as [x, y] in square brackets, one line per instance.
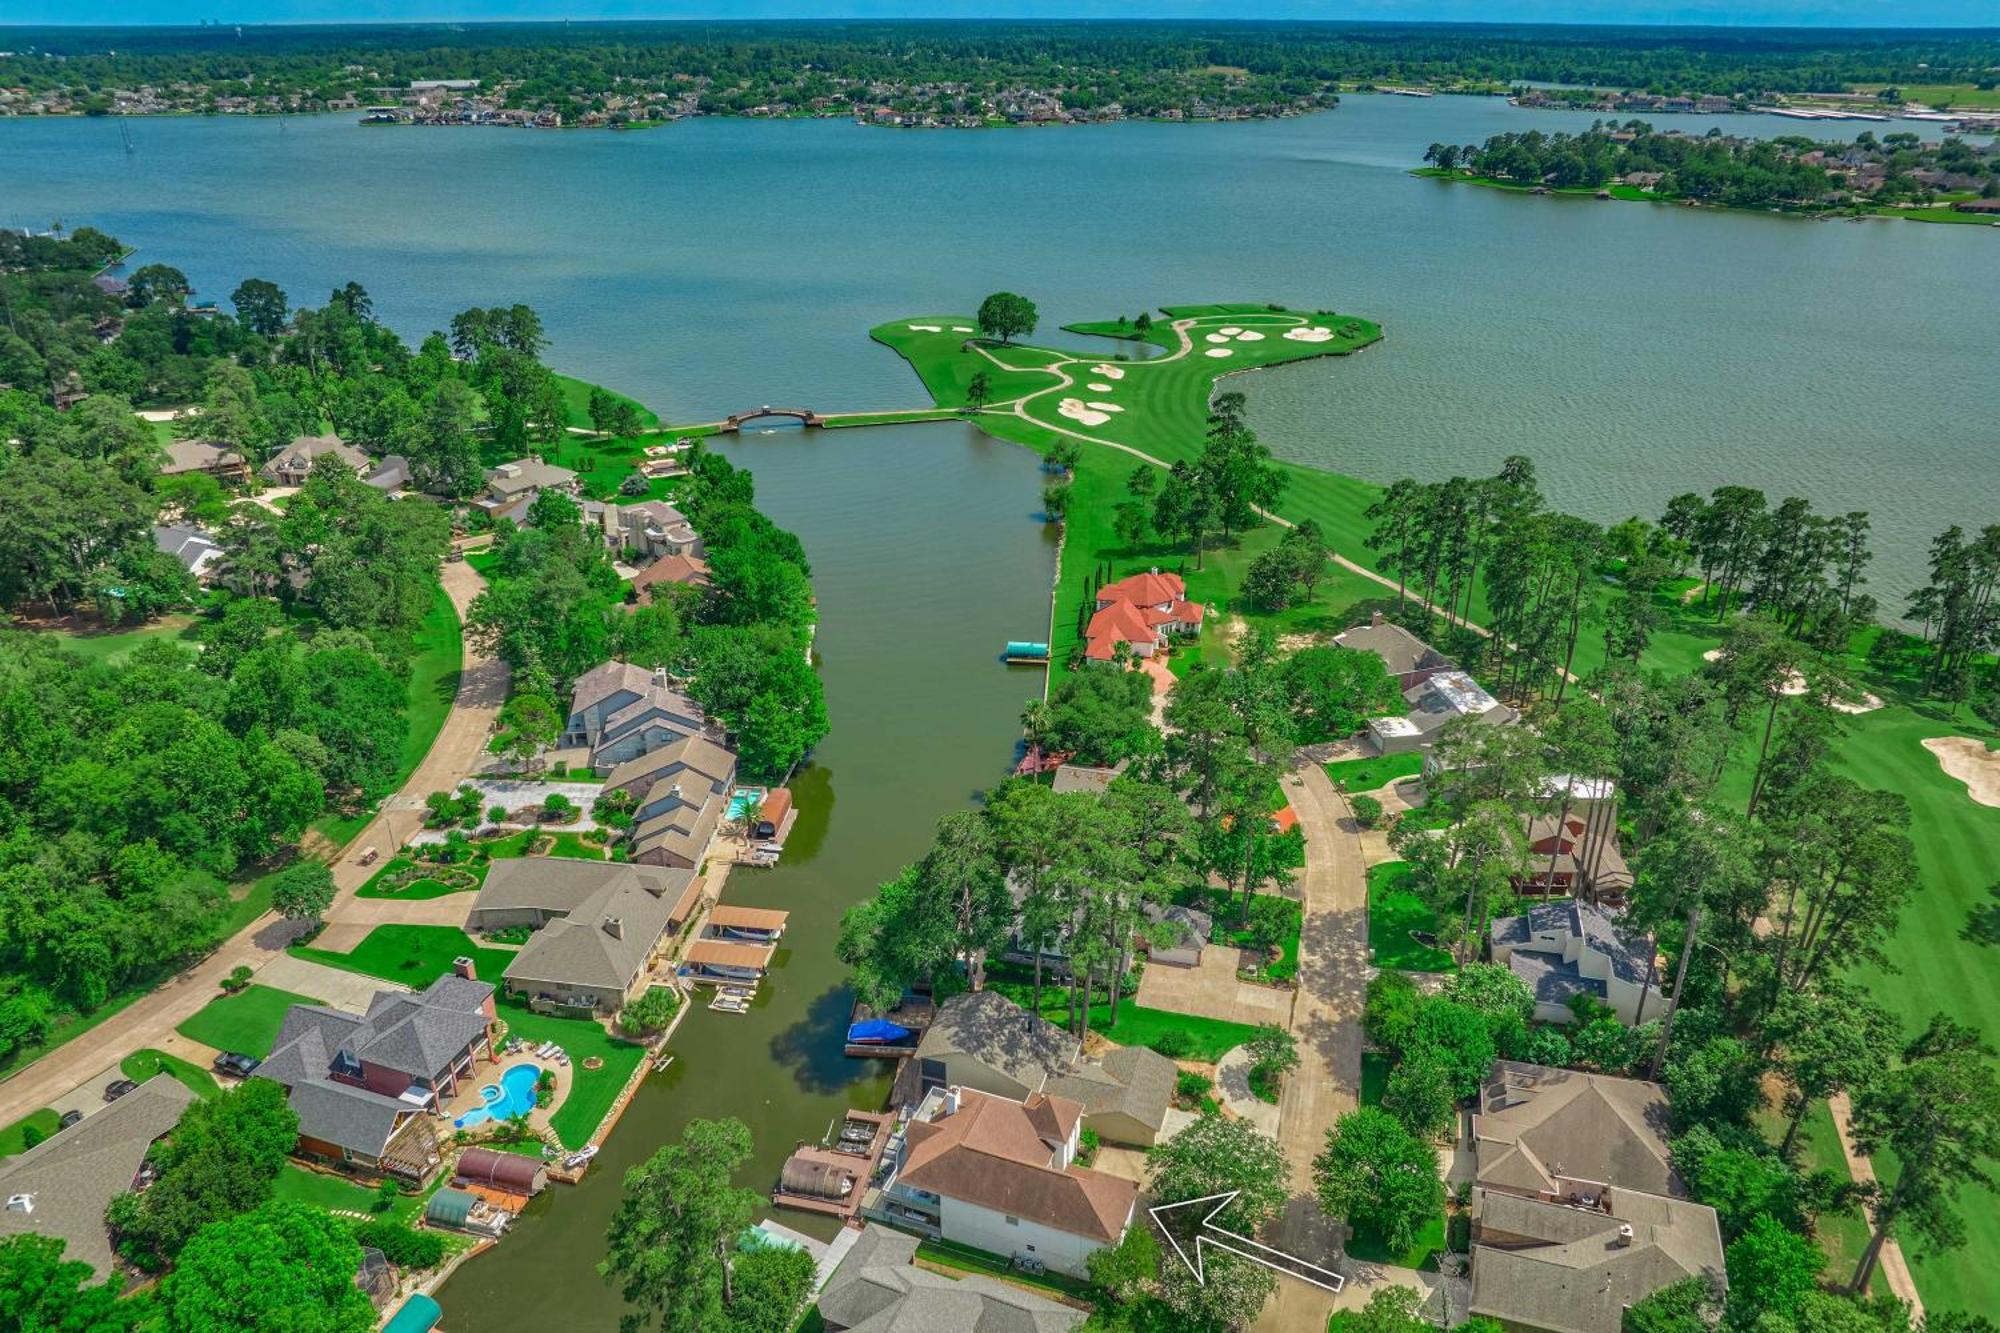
[1577, 1212]
[1445, 696]
[60, 1187]
[192, 546]
[597, 924]
[647, 530]
[1084, 778]
[220, 461]
[879, 1289]
[669, 571]
[1406, 657]
[1142, 612]
[1000, 1175]
[1566, 949]
[293, 463]
[520, 481]
[366, 1086]
[619, 712]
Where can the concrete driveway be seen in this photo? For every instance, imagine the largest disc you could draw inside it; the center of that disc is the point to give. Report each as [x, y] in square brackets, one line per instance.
[341, 989]
[1211, 990]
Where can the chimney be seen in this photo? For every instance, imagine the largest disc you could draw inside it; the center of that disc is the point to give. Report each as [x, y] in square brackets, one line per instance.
[1624, 1235]
[1375, 620]
[614, 927]
[951, 1100]
[461, 966]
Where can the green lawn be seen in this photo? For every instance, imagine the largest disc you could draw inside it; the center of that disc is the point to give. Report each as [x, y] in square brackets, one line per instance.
[142, 1065]
[965, 1259]
[44, 1121]
[1422, 1252]
[591, 1091]
[1136, 1026]
[1375, 771]
[415, 889]
[411, 955]
[116, 645]
[337, 1195]
[1393, 912]
[1842, 1236]
[247, 1021]
[1222, 906]
[576, 403]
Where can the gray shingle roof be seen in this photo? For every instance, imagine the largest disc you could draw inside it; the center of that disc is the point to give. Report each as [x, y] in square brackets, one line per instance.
[1401, 651]
[877, 1289]
[696, 754]
[579, 950]
[1536, 1124]
[1131, 1080]
[1569, 1270]
[72, 1176]
[683, 832]
[988, 1027]
[1552, 980]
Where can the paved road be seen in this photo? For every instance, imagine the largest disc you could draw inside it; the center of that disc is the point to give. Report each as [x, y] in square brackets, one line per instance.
[150, 1021]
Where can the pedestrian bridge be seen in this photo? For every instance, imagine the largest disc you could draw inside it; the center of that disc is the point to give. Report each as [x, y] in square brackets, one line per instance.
[736, 420]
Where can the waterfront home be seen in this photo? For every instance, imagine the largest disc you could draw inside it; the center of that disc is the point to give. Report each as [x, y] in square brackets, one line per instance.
[984, 1041]
[512, 487]
[194, 547]
[1444, 697]
[366, 1086]
[1142, 612]
[1406, 657]
[878, 1289]
[220, 461]
[1000, 1175]
[832, 1178]
[1084, 778]
[669, 571]
[647, 530]
[1565, 949]
[619, 711]
[680, 795]
[60, 1187]
[726, 962]
[748, 925]
[1577, 1212]
[293, 463]
[597, 925]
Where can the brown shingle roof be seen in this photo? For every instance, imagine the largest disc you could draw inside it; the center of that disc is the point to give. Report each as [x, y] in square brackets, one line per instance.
[995, 1153]
[726, 953]
[748, 918]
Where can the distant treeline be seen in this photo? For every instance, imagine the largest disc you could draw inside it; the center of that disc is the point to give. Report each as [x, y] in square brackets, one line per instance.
[1144, 66]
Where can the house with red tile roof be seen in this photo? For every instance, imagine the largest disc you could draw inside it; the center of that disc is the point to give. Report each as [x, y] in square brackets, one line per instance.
[1142, 611]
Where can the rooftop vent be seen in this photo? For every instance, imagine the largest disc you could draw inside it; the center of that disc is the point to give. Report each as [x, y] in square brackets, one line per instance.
[614, 927]
[1624, 1235]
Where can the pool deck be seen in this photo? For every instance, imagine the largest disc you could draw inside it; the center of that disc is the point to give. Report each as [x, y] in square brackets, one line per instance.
[471, 1097]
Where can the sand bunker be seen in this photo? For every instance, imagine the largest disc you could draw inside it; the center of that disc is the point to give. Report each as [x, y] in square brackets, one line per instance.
[1220, 351]
[960, 328]
[1109, 372]
[1967, 759]
[1218, 337]
[1098, 388]
[1249, 336]
[1104, 407]
[1796, 684]
[1315, 334]
[927, 328]
[1231, 331]
[1078, 410]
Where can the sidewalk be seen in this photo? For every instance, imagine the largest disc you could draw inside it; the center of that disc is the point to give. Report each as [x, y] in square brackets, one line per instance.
[1895, 1268]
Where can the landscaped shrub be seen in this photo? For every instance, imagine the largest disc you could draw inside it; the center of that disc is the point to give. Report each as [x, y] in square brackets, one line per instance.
[1087, 1144]
[238, 978]
[496, 814]
[558, 808]
[1367, 810]
[386, 1195]
[1190, 1088]
[1174, 1044]
[650, 1012]
[401, 1244]
[545, 1088]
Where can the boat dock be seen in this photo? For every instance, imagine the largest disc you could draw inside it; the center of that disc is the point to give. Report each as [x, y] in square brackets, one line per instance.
[833, 1177]
[891, 1035]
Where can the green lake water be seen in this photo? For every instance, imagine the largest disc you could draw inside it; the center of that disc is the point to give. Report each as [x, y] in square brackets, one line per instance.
[1634, 351]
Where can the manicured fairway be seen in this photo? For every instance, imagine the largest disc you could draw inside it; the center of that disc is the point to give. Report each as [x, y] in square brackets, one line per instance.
[247, 1021]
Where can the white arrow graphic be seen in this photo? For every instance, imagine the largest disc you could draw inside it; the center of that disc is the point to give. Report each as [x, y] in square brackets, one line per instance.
[1241, 1246]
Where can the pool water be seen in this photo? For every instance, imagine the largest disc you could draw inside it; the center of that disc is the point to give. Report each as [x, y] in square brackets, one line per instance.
[513, 1095]
[742, 799]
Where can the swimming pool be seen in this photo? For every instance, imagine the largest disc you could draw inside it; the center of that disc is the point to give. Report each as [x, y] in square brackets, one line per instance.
[513, 1095]
[742, 799]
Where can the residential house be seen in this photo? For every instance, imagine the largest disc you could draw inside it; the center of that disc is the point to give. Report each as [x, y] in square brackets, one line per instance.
[1181, 933]
[1141, 612]
[512, 487]
[596, 923]
[680, 793]
[619, 712]
[1566, 949]
[879, 1289]
[1577, 1212]
[669, 571]
[1407, 658]
[646, 531]
[1575, 850]
[60, 1187]
[391, 474]
[192, 546]
[293, 463]
[1085, 778]
[1446, 696]
[220, 461]
[1000, 1175]
[1572, 1269]
[984, 1041]
[367, 1086]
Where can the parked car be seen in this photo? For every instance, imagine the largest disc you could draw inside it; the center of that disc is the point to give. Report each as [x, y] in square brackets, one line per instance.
[236, 1064]
[116, 1090]
[69, 1118]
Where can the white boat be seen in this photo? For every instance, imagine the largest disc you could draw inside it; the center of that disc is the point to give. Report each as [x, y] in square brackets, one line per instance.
[580, 1156]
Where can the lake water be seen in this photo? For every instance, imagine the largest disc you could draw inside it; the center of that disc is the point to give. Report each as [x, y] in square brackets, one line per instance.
[1633, 351]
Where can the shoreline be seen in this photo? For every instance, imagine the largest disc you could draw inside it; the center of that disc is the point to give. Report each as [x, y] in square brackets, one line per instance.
[1630, 194]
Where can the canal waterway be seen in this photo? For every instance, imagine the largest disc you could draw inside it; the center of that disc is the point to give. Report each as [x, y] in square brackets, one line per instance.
[1633, 351]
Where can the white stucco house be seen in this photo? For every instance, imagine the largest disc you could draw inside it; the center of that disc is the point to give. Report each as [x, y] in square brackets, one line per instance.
[1568, 948]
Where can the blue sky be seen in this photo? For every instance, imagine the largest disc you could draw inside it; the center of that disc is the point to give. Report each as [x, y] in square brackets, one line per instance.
[1856, 13]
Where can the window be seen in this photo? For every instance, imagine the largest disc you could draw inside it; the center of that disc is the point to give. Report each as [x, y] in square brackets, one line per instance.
[1013, 1221]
